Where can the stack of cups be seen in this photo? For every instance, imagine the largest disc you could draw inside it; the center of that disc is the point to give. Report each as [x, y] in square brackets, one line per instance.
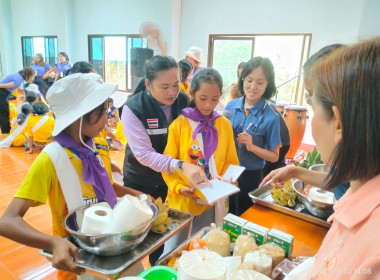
[128, 214]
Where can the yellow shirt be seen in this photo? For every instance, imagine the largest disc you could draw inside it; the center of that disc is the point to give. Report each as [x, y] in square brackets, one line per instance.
[44, 132]
[181, 146]
[119, 133]
[103, 134]
[21, 138]
[41, 184]
[12, 111]
[185, 87]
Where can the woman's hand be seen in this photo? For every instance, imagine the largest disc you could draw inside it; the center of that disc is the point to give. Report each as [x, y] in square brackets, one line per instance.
[194, 172]
[245, 138]
[116, 168]
[44, 76]
[228, 181]
[189, 192]
[65, 254]
[278, 177]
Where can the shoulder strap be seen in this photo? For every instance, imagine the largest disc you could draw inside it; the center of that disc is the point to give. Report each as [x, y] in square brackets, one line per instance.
[40, 123]
[67, 176]
[7, 142]
[211, 161]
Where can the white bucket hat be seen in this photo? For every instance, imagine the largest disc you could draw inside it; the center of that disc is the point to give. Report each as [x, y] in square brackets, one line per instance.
[33, 88]
[195, 53]
[74, 96]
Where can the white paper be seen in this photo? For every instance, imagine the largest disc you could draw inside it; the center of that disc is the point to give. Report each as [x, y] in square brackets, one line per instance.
[216, 189]
[233, 171]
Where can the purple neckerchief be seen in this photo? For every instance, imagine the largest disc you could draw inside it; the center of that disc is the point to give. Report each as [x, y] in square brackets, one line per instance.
[93, 172]
[210, 138]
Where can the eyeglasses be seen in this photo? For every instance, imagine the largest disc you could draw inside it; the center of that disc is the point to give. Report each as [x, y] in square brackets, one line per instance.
[258, 84]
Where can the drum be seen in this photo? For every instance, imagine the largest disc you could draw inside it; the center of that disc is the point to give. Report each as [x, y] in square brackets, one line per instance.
[281, 106]
[295, 117]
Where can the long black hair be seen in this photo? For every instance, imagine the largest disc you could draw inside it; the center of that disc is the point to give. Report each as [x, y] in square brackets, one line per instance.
[185, 67]
[82, 67]
[153, 67]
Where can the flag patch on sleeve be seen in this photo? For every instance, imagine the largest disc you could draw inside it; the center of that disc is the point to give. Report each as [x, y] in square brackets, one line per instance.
[152, 123]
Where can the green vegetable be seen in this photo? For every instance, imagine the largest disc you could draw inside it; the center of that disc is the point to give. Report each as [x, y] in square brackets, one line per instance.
[312, 158]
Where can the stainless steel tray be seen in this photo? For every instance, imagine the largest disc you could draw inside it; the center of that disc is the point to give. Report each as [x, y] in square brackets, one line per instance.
[177, 252]
[263, 197]
[111, 267]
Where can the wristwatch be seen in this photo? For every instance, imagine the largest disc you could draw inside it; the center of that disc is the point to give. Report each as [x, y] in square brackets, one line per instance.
[179, 164]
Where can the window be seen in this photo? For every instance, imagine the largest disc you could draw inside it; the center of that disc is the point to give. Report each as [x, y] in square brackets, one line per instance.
[46, 45]
[1, 68]
[110, 55]
[287, 52]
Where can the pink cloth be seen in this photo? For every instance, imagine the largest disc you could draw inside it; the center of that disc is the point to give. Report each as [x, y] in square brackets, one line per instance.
[356, 227]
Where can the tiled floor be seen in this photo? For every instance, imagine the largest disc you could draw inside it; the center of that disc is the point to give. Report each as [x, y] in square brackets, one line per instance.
[18, 261]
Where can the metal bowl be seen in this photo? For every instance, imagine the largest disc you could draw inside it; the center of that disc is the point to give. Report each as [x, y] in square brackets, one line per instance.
[109, 244]
[317, 208]
[320, 167]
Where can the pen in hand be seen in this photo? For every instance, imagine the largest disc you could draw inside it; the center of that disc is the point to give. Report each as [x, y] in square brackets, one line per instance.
[250, 124]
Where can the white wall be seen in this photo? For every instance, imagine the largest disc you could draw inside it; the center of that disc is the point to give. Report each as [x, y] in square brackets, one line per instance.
[118, 17]
[71, 21]
[370, 22]
[329, 21]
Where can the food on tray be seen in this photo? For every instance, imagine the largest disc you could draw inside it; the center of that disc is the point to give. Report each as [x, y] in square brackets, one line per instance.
[284, 196]
[260, 261]
[276, 252]
[218, 241]
[243, 244]
[163, 221]
[197, 243]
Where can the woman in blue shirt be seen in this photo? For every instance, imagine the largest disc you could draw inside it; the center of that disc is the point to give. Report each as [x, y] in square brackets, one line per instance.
[62, 67]
[7, 85]
[42, 70]
[256, 128]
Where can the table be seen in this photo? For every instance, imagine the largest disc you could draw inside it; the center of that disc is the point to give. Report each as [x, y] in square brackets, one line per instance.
[307, 236]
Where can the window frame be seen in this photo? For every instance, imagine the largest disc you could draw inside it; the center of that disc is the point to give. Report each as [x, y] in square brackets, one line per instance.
[252, 36]
[24, 62]
[102, 36]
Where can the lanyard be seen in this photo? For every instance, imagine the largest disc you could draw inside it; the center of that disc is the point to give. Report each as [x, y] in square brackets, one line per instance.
[259, 121]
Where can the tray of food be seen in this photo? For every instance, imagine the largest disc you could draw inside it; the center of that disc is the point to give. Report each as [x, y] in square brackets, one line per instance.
[170, 258]
[110, 267]
[295, 206]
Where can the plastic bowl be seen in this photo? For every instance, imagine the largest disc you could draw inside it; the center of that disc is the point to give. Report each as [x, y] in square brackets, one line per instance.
[317, 208]
[108, 244]
[159, 272]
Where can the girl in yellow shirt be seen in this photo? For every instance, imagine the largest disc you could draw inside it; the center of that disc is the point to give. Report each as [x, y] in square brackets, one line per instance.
[185, 72]
[39, 127]
[218, 146]
[79, 119]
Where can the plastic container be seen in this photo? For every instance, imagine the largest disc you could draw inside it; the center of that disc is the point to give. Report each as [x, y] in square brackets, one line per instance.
[159, 272]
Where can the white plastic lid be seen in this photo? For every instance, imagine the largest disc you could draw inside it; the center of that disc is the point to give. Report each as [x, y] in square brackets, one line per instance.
[201, 264]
